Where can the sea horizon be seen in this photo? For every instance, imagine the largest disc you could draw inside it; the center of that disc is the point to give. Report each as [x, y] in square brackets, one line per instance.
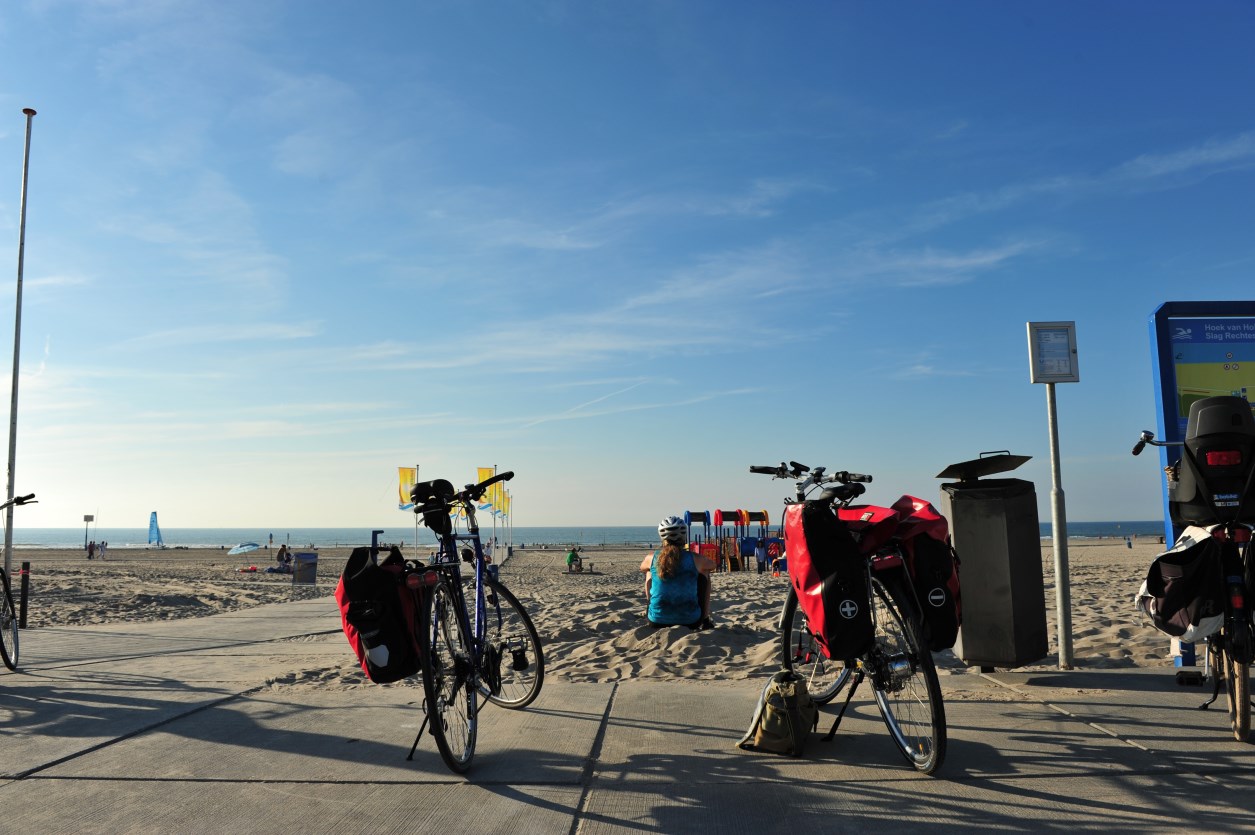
[606, 535]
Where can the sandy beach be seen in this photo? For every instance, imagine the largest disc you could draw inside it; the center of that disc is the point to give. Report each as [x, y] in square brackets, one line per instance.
[592, 625]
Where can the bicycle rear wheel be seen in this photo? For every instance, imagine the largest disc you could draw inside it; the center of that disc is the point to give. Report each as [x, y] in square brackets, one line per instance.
[8, 624]
[904, 678]
[447, 678]
[800, 652]
[514, 664]
[1237, 679]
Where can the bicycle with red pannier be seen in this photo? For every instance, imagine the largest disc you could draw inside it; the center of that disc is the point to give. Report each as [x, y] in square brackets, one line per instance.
[873, 592]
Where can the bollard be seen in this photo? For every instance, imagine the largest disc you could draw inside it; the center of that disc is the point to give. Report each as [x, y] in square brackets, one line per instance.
[26, 581]
[1183, 654]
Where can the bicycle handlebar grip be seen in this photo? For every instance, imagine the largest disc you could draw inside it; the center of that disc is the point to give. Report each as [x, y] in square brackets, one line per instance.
[1138, 447]
[764, 470]
[853, 477]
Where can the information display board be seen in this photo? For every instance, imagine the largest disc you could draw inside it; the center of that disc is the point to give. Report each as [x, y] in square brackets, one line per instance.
[1199, 349]
[1052, 354]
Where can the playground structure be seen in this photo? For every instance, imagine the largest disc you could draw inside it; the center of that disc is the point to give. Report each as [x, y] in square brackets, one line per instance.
[729, 536]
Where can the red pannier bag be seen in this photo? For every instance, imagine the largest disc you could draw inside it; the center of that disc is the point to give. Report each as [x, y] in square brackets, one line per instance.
[829, 576]
[379, 614]
[934, 568]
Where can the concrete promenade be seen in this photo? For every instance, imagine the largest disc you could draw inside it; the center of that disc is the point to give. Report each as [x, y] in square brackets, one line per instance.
[220, 724]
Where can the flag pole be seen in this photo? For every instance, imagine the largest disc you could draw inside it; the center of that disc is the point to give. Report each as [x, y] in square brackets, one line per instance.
[17, 345]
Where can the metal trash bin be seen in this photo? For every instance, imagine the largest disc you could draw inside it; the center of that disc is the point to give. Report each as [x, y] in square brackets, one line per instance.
[994, 527]
[304, 569]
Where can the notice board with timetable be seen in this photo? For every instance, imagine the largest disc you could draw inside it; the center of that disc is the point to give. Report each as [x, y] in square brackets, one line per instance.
[1052, 356]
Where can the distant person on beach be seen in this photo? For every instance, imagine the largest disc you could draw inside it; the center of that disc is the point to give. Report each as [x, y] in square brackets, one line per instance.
[91, 550]
[100, 551]
[677, 581]
[284, 558]
[760, 555]
[573, 560]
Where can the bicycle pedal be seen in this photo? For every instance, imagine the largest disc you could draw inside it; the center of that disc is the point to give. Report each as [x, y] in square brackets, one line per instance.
[1190, 677]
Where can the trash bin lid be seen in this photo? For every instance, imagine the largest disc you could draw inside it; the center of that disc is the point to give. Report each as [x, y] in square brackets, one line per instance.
[999, 461]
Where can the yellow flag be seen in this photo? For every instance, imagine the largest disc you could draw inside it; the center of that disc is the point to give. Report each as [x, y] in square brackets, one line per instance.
[407, 477]
[485, 473]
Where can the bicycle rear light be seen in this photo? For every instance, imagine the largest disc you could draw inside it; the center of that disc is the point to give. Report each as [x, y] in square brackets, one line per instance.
[1224, 458]
[421, 578]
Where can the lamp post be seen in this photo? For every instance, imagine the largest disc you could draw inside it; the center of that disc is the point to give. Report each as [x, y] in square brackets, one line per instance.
[17, 345]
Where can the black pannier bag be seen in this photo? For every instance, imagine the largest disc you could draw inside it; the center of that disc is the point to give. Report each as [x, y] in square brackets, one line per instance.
[830, 578]
[1213, 480]
[934, 570]
[1184, 589]
[378, 615]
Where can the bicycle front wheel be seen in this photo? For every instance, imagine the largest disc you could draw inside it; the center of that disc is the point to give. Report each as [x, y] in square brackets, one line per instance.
[801, 653]
[514, 664]
[904, 678]
[8, 624]
[1237, 679]
[448, 683]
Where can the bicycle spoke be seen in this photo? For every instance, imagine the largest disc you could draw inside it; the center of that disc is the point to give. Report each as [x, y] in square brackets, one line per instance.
[800, 653]
[8, 624]
[448, 680]
[513, 659]
[904, 679]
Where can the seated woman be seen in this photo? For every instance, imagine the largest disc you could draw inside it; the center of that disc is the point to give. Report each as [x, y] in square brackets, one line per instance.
[573, 560]
[676, 580]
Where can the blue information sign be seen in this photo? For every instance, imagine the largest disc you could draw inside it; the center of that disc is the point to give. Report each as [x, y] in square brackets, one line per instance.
[1199, 349]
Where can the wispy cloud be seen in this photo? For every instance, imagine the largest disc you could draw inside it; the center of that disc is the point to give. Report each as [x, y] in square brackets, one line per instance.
[1211, 156]
[935, 267]
[1164, 170]
[582, 412]
[220, 333]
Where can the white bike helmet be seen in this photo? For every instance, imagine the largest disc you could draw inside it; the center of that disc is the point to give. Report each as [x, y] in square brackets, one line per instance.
[673, 529]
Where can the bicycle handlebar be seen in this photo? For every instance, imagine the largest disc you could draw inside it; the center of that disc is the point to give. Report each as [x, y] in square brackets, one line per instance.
[473, 492]
[796, 470]
[19, 500]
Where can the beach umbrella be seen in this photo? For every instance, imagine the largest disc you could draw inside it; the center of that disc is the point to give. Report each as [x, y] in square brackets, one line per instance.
[244, 548]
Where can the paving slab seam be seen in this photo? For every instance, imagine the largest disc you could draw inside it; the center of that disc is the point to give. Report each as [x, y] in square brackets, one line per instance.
[32, 772]
[273, 781]
[226, 644]
[590, 765]
[1209, 774]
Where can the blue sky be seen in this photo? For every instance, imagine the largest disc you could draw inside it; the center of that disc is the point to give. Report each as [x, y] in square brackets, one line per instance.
[275, 250]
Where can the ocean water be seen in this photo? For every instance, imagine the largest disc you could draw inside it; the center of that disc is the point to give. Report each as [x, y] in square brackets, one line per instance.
[644, 535]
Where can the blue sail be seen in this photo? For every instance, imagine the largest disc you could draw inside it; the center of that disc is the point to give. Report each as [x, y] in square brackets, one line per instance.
[154, 532]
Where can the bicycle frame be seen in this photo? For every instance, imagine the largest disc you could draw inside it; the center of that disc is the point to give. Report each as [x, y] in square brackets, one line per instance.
[448, 560]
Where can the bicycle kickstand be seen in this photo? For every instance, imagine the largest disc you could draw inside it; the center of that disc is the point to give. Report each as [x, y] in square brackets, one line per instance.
[858, 679]
[421, 728]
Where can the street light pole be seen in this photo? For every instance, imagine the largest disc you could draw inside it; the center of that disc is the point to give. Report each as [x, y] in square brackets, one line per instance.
[17, 346]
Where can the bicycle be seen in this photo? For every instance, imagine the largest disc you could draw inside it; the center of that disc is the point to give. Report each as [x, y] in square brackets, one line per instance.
[897, 662]
[9, 621]
[477, 638]
[1211, 487]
